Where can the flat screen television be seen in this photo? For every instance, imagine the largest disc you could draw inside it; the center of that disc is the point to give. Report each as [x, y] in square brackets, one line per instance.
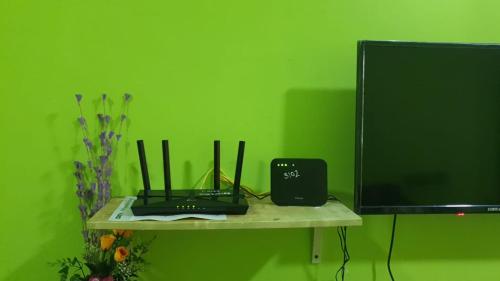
[427, 128]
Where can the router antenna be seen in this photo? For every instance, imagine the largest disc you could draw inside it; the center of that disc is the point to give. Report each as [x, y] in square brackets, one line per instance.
[216, 165]
[166, 169]
[237, 177]
[144, 170]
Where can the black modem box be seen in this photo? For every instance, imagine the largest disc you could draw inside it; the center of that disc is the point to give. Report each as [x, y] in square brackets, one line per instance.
[299, 182]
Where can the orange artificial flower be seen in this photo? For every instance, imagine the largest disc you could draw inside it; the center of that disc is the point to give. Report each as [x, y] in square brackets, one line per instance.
[127, 233]
[107, 241]
[121, 254]
[124, 233]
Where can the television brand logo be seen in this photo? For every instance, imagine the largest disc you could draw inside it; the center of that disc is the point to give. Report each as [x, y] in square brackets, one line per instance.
[494, 209]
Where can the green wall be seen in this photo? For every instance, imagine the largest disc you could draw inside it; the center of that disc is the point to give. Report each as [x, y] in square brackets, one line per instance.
[279, 74]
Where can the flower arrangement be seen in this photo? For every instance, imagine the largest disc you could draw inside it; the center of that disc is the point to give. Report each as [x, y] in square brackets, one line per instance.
[107, 256]
[117, 257]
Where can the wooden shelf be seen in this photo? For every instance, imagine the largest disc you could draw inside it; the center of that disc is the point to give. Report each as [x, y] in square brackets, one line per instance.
[261, 214]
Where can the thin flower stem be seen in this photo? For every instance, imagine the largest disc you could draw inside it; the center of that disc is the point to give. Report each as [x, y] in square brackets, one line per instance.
[81, 195]
[103, 98]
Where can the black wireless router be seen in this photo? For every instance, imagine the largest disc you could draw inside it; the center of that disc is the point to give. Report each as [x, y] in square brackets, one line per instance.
[189, 201]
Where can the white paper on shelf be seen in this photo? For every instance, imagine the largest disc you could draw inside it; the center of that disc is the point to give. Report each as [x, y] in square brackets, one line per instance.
[124, 213]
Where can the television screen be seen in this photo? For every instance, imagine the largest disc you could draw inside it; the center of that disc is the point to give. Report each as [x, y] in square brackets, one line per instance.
[427, 128]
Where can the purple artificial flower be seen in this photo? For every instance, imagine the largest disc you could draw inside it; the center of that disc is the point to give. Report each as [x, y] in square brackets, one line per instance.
[102, 137]
[85, 234]
[100, 116]
[103, 159]
[96, 192]
[98, 172]
[83, 211]
[105, 189]
[80, 194]
[100, 189]
[94, 210]
[88, 194]
[109, 150]
[82, 208]
[81, 120]
[78, 165]
[78, 98]
[88, 143]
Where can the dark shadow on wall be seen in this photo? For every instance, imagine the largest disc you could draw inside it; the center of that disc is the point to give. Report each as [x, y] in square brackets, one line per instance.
[54, 211]
[319, 123]
[126, 177]
[448, 237]
[225, 255]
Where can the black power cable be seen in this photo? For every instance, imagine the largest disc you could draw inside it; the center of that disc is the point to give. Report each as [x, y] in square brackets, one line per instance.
[342, 233]
[390, 247]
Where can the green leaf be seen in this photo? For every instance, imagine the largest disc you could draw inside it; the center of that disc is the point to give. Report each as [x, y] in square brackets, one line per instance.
[92, 267]
[76, 277]
[63, 273]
